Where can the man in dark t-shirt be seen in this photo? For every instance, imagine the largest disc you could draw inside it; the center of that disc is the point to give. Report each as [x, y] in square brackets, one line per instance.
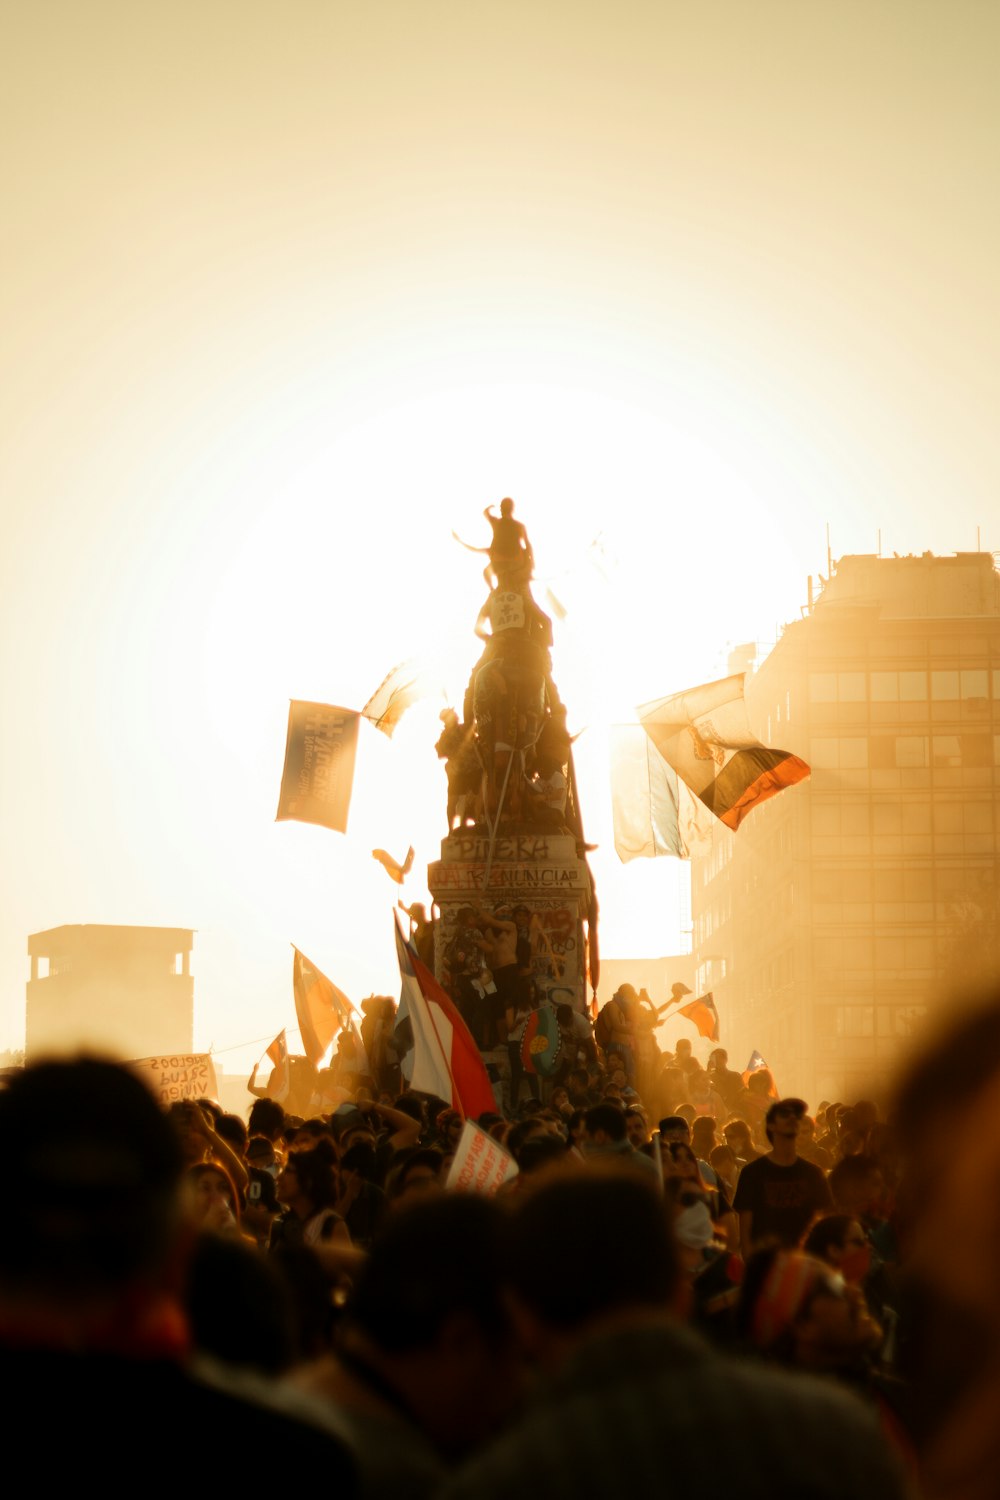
[779, 1194]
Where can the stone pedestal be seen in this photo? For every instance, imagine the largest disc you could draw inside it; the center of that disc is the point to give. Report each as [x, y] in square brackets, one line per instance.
[535, 879]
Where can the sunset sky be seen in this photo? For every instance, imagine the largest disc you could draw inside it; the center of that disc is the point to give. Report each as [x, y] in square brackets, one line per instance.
[291, 292]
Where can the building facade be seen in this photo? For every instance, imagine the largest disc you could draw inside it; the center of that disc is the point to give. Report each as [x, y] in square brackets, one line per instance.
[846, 906]
[123, 991]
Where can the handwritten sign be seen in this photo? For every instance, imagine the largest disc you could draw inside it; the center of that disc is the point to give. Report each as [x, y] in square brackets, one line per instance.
[186, 1075]
[480, 1164]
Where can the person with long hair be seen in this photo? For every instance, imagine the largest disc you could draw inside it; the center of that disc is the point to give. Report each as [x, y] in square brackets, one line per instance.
[307, 1187]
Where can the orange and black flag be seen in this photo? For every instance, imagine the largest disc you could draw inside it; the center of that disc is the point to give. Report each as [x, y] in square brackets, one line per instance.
[704, 1015]
[704, 734]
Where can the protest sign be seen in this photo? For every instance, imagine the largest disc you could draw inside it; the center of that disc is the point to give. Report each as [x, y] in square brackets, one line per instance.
[480, 1164]
[185, 1075]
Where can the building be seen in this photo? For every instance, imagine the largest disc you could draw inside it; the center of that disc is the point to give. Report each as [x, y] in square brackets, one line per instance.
[844, 907]
[126, 991]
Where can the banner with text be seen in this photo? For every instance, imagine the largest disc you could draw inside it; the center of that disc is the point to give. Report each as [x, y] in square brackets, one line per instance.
[480, 1164]
[185, 1075]
[318, 777]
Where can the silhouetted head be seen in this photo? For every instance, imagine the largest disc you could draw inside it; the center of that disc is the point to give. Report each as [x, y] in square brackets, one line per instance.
[93, 1167]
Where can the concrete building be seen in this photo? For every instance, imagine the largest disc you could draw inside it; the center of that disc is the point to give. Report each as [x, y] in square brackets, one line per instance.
[126, 991]
[836, 915]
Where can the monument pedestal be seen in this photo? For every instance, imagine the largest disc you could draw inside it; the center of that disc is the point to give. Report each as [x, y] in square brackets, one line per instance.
[535, 879]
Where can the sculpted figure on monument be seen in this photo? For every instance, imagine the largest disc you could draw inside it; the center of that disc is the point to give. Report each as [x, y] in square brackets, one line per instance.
[508, 697]
[509, 546]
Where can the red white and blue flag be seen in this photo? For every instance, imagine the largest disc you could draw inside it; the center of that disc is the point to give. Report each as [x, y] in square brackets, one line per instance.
[446, 1060]
[758, 1065]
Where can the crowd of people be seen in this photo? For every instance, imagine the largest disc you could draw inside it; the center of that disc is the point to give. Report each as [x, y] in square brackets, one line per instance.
[740, 1294]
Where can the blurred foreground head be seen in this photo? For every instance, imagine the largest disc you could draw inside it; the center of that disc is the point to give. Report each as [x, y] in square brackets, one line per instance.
[948, 1117]
[587, 1220]
[429, 1317]
[92, 1169]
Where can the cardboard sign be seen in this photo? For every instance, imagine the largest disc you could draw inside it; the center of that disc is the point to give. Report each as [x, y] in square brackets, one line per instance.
[189, 1075]
[480, 1164]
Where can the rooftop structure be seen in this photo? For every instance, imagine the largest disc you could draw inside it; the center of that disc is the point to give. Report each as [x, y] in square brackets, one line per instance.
[126, 991]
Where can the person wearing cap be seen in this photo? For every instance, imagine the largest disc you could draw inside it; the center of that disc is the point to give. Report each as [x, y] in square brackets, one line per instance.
[779, 1194]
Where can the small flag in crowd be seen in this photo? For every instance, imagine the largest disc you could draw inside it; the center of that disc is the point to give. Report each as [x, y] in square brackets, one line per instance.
[704, 734]
[279, 1083]
[758, 1065]
[446, 1060]
[654, 812]
[704, 1015]
[321, 1009]
[396, 871]
[541, 1042]
[320, 751]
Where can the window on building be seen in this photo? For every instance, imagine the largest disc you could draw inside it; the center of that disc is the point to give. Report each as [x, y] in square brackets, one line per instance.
[850, 753]
[913, 687]
[974, 685]
[889, 751]
[822, 687]
[899, 1020]
[845, 1021]
[916, 817]
[944, 686]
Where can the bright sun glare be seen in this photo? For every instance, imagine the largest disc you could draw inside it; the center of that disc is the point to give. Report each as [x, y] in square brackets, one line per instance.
[350, 568]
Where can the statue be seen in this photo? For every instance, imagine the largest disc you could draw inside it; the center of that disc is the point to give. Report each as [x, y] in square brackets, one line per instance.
[509, 545]
[509, 686]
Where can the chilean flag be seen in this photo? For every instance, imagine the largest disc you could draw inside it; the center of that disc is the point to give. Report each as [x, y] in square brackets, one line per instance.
[704, 1015]
[446, 1060]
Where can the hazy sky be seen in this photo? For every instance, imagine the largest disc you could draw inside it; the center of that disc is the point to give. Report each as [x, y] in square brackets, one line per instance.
[289, 292]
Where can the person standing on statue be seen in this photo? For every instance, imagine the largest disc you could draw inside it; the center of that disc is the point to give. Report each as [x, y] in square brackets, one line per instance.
[509, 546]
